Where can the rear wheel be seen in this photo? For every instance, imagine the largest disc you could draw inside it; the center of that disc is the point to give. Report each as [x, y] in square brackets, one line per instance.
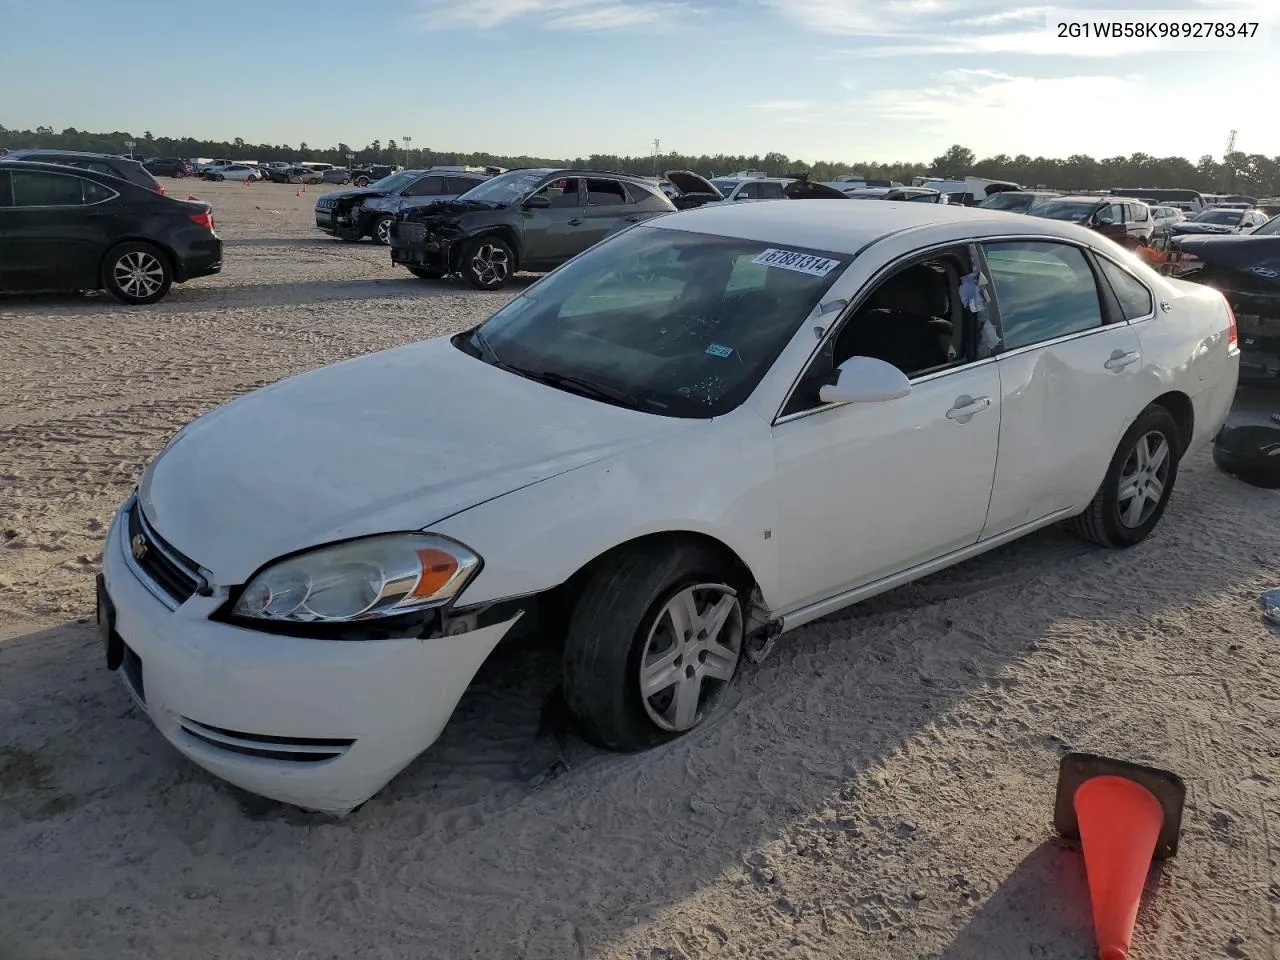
[362, 181]
[425, 273]
[653, 643]
[1136, 490]
[487, 263]
[137, 273]
[218, 176]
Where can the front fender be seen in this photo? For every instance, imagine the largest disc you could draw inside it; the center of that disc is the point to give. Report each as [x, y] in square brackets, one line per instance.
[504, 230]
[714, 478]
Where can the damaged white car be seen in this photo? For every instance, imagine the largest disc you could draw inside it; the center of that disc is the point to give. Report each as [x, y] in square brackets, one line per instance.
[702, 433]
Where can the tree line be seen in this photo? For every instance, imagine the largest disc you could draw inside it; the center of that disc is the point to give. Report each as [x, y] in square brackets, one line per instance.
[1252, 174]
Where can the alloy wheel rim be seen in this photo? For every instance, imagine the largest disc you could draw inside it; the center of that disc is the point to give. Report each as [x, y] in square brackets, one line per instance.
[490, 264]
[139, 274]
[690, 655]
[1143, 479]
[384, 231]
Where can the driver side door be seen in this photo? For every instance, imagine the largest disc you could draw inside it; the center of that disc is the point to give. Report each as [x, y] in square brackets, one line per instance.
[554, 233]
[868, 490]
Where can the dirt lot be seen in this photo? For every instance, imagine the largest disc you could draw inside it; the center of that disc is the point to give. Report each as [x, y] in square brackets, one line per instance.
[881, 787]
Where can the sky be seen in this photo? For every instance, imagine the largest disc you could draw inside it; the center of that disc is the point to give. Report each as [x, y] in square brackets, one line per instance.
[873, 80]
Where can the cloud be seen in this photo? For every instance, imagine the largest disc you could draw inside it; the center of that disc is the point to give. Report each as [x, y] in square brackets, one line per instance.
[970, 27]
[549, 14]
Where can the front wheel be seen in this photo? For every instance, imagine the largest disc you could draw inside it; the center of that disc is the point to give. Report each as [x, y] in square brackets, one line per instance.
[487, 263]
[137, 273]
[1136, 490]
[653, 643]
[219, 177]
[380, 231]
[425, 273]
[362, 181]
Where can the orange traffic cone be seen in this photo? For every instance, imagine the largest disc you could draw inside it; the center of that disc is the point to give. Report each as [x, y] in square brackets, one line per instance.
[1124, 815]
[298, 192]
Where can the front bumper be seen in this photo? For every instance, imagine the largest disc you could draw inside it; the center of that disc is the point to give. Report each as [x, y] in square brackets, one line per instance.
[412, 245]
[320, 724]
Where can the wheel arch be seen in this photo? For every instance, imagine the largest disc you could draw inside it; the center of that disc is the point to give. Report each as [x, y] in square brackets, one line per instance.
[170, 257]
[558, 601]
[503, 231]
[1183, 412]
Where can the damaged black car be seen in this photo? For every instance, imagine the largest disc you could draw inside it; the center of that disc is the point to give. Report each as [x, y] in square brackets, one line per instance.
[531, 219]
[1246, 268]
[369, 211]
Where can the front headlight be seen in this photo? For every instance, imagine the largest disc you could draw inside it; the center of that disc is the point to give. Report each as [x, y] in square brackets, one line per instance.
[365, 579]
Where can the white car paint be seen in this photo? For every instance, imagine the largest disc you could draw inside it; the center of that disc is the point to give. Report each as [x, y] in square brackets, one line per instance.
[234, 171]
[825, 507]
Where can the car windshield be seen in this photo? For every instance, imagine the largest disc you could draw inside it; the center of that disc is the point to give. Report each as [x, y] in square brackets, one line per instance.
[1270, 228]
[506, 187]
[668, 322]
[1228, 217]
[1007, 201]
[395, 181]
[1075, 210]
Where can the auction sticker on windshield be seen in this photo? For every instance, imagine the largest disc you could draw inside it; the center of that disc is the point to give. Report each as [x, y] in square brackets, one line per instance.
[799, 262]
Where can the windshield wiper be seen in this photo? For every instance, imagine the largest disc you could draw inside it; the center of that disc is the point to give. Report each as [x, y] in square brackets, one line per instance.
[583, 387]
[487, 353]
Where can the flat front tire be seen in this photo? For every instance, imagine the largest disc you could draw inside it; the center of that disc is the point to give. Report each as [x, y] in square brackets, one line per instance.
[1136, 489]
[136, 273]
[653, 643]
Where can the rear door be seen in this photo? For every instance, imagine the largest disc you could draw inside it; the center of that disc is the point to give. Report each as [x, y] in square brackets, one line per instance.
[607, 203]
[7, 255]
[56, 230]
[1070, 367]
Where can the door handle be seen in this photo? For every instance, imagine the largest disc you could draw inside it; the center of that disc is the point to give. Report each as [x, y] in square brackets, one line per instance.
[967, 406]
[1119, 359]
[575, 222]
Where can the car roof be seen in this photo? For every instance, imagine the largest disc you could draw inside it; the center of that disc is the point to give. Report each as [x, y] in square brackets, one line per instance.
[66, 153]
[581, 172]
[832, 225]
[8, 163]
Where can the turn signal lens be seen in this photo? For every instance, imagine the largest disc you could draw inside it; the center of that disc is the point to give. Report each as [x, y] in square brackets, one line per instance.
[438, 568]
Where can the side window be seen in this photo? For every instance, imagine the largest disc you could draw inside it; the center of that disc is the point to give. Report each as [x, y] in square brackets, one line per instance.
[1135, 298]
[639, 194]
[95, 192]
[101, 168]
[562, 193]
[604, 193]
[455, 185]
[749, 191]
[425, 187]
[771, 191]
[1043, 290]
[1112, 211]
[1140, 213]
[6, 198]
[46, 190]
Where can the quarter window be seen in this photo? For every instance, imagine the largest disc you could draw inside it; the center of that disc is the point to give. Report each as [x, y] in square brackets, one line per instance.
[46, 190]
[1135, 298]
[771, 191]
[1043, 290]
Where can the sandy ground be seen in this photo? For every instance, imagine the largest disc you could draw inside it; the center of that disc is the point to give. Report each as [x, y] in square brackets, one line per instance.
[882, 786]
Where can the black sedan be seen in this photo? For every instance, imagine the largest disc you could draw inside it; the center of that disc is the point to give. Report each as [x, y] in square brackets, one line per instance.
[65, 229]
[369, 211]
[532, 219]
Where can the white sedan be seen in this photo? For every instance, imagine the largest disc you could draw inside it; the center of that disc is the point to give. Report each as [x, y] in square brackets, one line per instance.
[698, 435]
[233, 171]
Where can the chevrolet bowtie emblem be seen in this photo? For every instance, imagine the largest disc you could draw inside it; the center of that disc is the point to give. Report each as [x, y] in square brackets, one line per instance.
[138, 546]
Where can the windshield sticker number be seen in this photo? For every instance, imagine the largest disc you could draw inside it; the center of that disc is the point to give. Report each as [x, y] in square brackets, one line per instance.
[719, 350]
[799, 262]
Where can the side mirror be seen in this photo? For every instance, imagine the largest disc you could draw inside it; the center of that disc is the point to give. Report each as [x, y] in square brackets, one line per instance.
[865, 380]
[1105, 222]
[537, 202]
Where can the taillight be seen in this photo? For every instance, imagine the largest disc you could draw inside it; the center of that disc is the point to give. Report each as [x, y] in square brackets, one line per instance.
[1233, 332]
[203, 219]
[160, 189]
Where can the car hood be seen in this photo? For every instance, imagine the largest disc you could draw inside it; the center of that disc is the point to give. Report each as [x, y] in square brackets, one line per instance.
[688, 182]
[356, 193]
[391, 441]
[1186, 226]
[1255, 259]
[444, 209]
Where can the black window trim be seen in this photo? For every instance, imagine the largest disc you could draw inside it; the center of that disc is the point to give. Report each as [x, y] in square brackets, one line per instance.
[1146, 286]
[60, 206]
[1112, 314]
[827, 341]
